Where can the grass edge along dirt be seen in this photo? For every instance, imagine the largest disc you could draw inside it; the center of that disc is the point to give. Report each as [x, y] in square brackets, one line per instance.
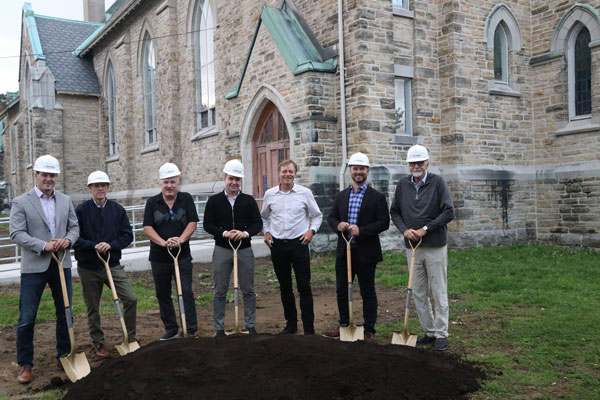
[528, 313]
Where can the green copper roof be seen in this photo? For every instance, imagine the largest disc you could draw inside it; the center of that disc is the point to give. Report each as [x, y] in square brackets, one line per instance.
[87, 41]
[34, 37]
[293, 41]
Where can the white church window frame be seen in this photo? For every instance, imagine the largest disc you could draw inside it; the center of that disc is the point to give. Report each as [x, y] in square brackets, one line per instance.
[149, 91]
[27, 86]
[571, 73]
[403, 123]
[401, 8]
[111, 101]
[500, 55]
[502, 25]
[13, 151]
[204, 68]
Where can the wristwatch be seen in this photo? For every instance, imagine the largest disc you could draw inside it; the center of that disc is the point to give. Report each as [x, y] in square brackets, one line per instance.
[313, 231]
[425, 228]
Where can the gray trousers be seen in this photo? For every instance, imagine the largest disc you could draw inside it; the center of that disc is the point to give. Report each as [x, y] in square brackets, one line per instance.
[92, 282]
[431, 265]
[222, 263]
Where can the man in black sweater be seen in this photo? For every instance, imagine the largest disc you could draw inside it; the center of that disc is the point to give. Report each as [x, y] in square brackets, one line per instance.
[421, 209]
[232, 216]
[104, 226]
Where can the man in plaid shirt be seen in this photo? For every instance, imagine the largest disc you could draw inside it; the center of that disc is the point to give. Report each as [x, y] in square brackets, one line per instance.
[361, 212]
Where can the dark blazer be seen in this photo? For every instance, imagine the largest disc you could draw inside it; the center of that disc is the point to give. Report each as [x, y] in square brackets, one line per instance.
[373, 218]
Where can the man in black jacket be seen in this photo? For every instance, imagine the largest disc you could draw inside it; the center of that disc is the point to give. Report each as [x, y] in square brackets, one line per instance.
[361, 212]
[421, 209]
[170, 220]
[103, 226]
[232, 216]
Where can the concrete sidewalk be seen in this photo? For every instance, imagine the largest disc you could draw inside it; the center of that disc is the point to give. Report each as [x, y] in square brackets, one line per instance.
[137, 259]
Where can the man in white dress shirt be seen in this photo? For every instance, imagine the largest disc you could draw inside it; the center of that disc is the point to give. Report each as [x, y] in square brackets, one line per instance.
[291, 217]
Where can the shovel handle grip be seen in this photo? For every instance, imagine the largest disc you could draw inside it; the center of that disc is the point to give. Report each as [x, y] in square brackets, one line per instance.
[111, 282]
[174, 256]
[63, 282]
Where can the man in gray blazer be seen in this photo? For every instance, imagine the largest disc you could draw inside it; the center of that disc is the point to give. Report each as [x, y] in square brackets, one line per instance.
[42, 221]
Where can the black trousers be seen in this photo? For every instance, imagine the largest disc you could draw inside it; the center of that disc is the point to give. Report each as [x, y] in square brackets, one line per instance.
[288, 254]
[365, 272]
[164, 275]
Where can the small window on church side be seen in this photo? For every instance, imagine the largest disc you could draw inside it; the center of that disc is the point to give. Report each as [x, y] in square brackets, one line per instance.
[111, 100]
[204, 60]
[149, 78]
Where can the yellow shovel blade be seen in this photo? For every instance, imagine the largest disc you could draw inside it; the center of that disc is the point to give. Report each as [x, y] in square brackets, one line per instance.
[352, 333]
[235, 331]
[126, 348]
[76, 366]
[404, 339]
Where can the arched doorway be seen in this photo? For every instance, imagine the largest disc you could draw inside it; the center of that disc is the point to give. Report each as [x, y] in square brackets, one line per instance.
[271, 144]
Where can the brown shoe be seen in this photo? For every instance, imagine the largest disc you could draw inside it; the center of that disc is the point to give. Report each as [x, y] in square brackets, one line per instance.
[333, 334]
[369, 337]
[24, 374]
[102, 351]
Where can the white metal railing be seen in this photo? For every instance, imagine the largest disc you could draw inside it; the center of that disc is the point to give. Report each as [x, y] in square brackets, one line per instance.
[136, 219]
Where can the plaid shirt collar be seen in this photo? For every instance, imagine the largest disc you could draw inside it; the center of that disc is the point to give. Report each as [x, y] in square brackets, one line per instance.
[355, 202]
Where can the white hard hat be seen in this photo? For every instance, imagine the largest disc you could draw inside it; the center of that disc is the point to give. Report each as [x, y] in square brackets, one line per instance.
[48, 164]
[168, 170]
[359, 159]
[98, 177]
[234, 168]
[417, 153]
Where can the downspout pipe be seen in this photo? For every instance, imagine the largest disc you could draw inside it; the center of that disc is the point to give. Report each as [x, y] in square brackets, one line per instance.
[342, 93]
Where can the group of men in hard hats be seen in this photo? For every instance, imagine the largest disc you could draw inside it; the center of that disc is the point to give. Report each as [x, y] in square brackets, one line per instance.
[44, 220]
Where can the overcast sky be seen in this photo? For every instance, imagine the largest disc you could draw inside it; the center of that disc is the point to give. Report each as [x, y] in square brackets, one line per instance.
[10, 32]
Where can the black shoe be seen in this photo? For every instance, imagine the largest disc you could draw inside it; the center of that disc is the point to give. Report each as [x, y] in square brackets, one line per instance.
[441, 344]
[170, 336]
[425, 340]
[309, 329]
[219, 333]
[252, 331]
[289, 330]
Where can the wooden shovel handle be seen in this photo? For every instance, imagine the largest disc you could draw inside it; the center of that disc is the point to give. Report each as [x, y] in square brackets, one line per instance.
[61, 274]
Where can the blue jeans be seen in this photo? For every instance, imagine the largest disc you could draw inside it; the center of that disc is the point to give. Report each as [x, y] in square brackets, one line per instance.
[366, 280]
[32, 287]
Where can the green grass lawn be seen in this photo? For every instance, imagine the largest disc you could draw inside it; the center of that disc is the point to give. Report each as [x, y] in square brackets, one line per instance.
[528, 312]
[9, 303]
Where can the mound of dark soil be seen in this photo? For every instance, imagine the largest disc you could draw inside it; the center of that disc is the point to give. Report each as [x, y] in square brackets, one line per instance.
[279, 367]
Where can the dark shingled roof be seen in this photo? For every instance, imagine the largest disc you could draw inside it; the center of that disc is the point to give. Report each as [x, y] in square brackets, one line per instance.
[59, 38]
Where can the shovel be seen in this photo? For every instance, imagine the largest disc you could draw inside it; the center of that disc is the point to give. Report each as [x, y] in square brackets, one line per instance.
[402, 337]
[179, 292]
[350, 333]
[125, 347]
[76, 365]
[235, 288]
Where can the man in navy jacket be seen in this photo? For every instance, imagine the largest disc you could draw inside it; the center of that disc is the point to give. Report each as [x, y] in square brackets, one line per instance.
[104, 227]
[233, 216]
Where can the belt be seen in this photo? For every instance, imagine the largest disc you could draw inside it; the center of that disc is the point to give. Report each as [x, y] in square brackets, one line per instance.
[286, 240]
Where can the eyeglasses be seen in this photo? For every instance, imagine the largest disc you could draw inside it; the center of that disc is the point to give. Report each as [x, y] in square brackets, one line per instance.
[417, 163]
[171, 214]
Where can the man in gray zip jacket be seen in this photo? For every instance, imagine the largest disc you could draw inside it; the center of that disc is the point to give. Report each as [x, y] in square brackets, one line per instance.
[420, 210]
